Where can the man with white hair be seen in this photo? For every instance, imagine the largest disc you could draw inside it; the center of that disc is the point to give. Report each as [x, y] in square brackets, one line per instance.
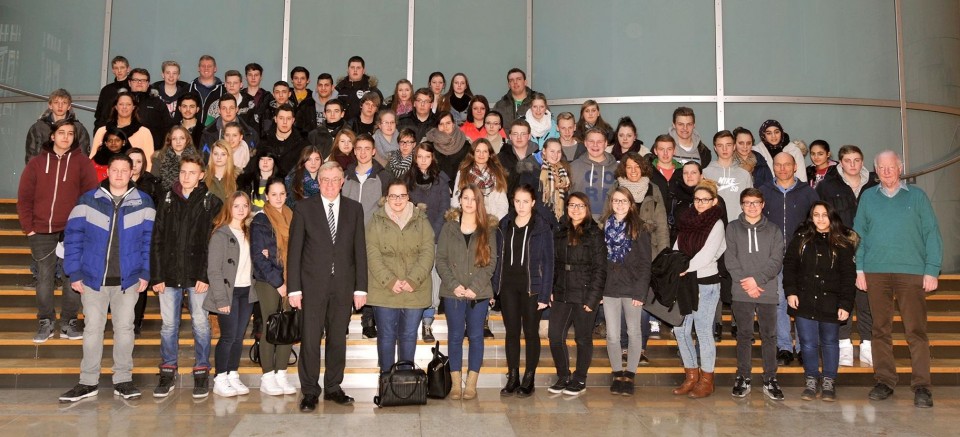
[898, 258]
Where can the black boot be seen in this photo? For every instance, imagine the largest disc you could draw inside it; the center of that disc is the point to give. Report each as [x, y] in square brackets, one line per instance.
[626, 385]
[718, 332]
[513, 382]
[616, 384]
[526, 386]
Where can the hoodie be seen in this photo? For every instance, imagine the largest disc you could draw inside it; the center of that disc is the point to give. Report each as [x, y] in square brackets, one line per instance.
[208, 97]
[788, 207]
[593, 179]
[319, 105]
[171, 101]
[730, 182]
[368, 192]
[39, 134]
[50, 186]
[701, 154]
[754, 251]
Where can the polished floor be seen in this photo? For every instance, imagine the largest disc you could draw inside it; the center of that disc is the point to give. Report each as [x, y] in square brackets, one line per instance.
[652, 411]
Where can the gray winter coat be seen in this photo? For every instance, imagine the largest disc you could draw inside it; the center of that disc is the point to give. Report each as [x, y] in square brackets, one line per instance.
[222, 261]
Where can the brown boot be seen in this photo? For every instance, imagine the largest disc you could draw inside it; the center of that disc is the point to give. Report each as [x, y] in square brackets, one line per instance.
[470, 392]
[704, 387]
[456, 392]
[214, 326]
[692, 376]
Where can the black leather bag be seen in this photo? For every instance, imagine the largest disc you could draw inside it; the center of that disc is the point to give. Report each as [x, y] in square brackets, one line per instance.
[438, 375]
[283, 326]
[404, 384]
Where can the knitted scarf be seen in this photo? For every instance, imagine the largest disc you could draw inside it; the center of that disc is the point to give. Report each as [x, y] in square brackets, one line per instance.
[538, 128]
[483, 179]
[280, 222]
[693, 228]
[447, 144]
[638, 189]
[555, 182]
[618, 242]
[385, 145]
[747, 163]
[423, 180]
[167, 165]
[398, 164]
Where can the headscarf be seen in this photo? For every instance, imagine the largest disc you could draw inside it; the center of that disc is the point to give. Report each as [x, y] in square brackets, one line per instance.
[784, 137]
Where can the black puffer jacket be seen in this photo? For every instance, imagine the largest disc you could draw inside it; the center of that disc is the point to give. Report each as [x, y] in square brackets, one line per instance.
[837, 193]
[181, 237]
[580, 271]
[150, 184]
[821, 276]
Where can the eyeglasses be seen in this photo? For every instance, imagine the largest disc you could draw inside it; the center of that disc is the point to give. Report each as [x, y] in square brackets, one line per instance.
[330, 180]
[576, 206]
[619, 201]
[702, 201]
[491, 123]
[397, 196]
[139, 80]
[408, 142]
[423, 102]
[752, 203]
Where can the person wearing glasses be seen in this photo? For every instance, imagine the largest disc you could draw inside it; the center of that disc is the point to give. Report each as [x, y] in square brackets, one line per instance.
[517, 157]
[400, 161]
[422, 118]
[400, 252]
[753, 258]
[327, 274]
[493, 130]
[700, 236]
[386, 137]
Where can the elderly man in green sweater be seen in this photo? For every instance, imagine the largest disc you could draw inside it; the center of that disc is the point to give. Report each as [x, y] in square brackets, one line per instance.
[898, 258]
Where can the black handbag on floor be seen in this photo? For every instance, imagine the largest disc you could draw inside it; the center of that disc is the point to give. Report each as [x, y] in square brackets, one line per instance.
[283, 326]
[438, 375]
[402, 386]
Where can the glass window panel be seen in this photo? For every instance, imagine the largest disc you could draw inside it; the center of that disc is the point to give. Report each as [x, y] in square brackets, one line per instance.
[931, 45]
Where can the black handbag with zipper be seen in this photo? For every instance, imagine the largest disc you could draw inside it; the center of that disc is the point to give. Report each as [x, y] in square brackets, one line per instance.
[439, 382]
[403, 384]
[283, 326]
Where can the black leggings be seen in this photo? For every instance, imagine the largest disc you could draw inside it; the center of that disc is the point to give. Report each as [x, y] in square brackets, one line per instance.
[519, 308]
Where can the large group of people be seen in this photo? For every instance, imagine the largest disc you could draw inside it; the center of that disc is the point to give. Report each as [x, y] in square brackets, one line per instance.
[245, 200]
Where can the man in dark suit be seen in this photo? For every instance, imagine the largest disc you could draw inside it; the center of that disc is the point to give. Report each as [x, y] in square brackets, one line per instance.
[327, 264]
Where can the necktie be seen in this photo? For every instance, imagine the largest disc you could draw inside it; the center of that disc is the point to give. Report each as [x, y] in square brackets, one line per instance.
[333, 223]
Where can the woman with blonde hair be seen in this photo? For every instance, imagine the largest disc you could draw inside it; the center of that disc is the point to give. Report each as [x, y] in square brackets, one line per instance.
[221, 174]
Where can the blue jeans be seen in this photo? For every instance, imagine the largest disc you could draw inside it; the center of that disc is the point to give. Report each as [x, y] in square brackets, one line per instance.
[171, 301]
[232, 328]
[816, 339]
[784, 339]
[465, 317]
[397, 334]
[702, 321]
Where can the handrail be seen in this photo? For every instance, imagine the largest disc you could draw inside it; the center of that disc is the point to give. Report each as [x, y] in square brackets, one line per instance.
[911, 177]
[40, 97]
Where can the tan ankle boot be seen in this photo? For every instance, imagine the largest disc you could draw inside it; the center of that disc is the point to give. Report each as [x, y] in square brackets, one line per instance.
[470, 392]
[692, 376]
[457, 391]
[704, 386]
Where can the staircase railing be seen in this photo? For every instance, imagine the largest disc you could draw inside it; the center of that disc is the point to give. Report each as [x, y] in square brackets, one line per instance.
[40, 97]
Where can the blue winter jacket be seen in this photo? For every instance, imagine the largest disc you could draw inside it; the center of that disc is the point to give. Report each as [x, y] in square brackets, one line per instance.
[788, 208]
[86, 240]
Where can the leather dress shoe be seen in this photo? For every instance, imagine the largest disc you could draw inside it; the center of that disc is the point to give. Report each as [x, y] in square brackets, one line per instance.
[339, 397]
[308, 403]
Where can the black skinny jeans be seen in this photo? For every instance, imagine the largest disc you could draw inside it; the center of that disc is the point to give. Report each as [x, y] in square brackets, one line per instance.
[562, 315]
[519, 309]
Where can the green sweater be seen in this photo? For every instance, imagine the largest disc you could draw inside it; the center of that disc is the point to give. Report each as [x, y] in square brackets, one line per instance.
[898, 234]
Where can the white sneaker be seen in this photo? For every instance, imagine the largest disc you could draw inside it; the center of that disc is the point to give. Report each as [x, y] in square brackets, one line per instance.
[237, 384]
[284, 383]
[866, 354]
[268, 384]
[222, 387]
[846, 353]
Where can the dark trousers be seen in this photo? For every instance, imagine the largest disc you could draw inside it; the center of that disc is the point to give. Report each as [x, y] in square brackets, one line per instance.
[864, 319]
[43, 250]
[766, 314]
[519, 309]
[273, 357]
[562, 315]
[140, 308]
[883, 288]
[322, 313]
[232, 326]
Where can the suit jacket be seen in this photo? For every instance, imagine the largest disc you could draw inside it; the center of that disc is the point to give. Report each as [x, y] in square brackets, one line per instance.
[311, 252]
